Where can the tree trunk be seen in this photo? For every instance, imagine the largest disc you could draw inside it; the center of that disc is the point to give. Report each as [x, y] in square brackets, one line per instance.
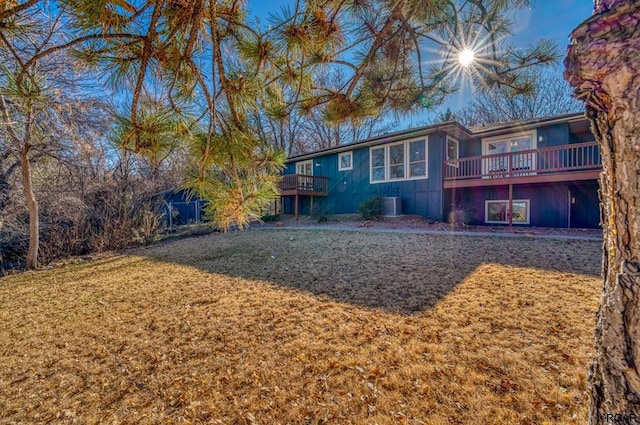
[603, 67]
[32, 206]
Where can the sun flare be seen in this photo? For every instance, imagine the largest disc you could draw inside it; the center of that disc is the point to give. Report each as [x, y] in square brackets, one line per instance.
[466, 57]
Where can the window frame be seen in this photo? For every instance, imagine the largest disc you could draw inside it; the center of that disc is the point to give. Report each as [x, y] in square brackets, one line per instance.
[403, 164]
[384, 165]
[299, 164]
[446, 151]
[340, 155]
[406, 161]
[508, 137]
[527, 202]
[489, 163]
[409, 162]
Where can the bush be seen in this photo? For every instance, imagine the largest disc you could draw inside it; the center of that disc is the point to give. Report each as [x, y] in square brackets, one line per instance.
[461, 215]
[270, 218]
[322, 213]
[149, 223]
[371, 209]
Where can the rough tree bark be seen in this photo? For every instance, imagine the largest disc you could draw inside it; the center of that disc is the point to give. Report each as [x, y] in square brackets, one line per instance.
[603, 67]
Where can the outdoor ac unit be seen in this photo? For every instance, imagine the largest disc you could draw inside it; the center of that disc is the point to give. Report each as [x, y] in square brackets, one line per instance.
[392, 206]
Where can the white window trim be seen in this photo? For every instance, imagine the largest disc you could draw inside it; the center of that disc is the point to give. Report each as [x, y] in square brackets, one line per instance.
[405, 162]
[407, 144]
[299, 165]
[486, 211]
[340, 155]
[446, 151]
[455, 141]
[533, 134]
[386, 164]
[408, 162]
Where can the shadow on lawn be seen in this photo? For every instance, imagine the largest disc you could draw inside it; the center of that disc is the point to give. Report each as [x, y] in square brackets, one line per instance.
[401, 273]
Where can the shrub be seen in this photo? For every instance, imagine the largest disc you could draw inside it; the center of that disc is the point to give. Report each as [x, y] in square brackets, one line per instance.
[322, 213]
[371, 209]
[270, 217]
[461, 215]
[149, 223]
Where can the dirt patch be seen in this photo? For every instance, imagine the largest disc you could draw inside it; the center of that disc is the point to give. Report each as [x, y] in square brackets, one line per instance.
[416, 222]
[305, 327]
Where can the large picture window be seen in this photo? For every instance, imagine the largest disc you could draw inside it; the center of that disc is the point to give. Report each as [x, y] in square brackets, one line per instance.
[399, 161]
[498, 211]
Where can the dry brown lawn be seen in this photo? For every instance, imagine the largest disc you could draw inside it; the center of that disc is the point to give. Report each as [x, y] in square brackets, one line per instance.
[305, 327]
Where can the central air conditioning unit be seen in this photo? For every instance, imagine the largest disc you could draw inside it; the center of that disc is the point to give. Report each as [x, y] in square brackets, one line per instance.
[392, 206]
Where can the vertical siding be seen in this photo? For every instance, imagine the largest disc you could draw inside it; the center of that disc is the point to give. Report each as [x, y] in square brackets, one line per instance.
[585, 204]
[581, 137]
[348, 189]
[470, 147]
[548, 203]
[553, 135]
[290, 168]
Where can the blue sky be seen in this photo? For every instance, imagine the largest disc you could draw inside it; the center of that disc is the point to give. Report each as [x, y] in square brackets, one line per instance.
[553, 19]
[546, 18]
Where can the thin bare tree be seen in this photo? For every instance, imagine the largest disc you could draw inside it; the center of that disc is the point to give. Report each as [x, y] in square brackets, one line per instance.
[550, 95]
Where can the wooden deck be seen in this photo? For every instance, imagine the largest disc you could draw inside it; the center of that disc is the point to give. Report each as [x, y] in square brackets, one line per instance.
[301, 185]
[579, 161]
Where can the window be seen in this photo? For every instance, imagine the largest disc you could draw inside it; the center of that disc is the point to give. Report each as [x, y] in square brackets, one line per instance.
[399, 161]
[500, 148]
[345, 161]
[378, 165]
[396, 162]
[417, 159]
[498, 211]
[305, 168]
[453, 150]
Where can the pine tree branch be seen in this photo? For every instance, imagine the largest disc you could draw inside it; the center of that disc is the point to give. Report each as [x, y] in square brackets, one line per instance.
[10, 12]
[147, 50]
[71, 43]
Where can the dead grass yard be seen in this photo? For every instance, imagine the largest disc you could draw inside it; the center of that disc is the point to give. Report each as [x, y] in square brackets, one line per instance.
[305, 327]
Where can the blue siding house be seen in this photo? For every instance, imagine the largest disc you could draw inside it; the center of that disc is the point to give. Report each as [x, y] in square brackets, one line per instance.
[540, 172]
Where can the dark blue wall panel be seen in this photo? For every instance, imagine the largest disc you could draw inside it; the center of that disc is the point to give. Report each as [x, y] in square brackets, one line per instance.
[549, 203]
[348, 189]
[553, 135]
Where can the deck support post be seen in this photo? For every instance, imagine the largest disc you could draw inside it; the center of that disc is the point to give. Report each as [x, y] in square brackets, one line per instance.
[295, 208]
[453, 199]
[311, 210]
[569, 210]
[510, 212]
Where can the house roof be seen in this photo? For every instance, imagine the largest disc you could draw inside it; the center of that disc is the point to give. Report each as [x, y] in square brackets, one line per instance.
[451, 127]
[500, 127]
[577, 121]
